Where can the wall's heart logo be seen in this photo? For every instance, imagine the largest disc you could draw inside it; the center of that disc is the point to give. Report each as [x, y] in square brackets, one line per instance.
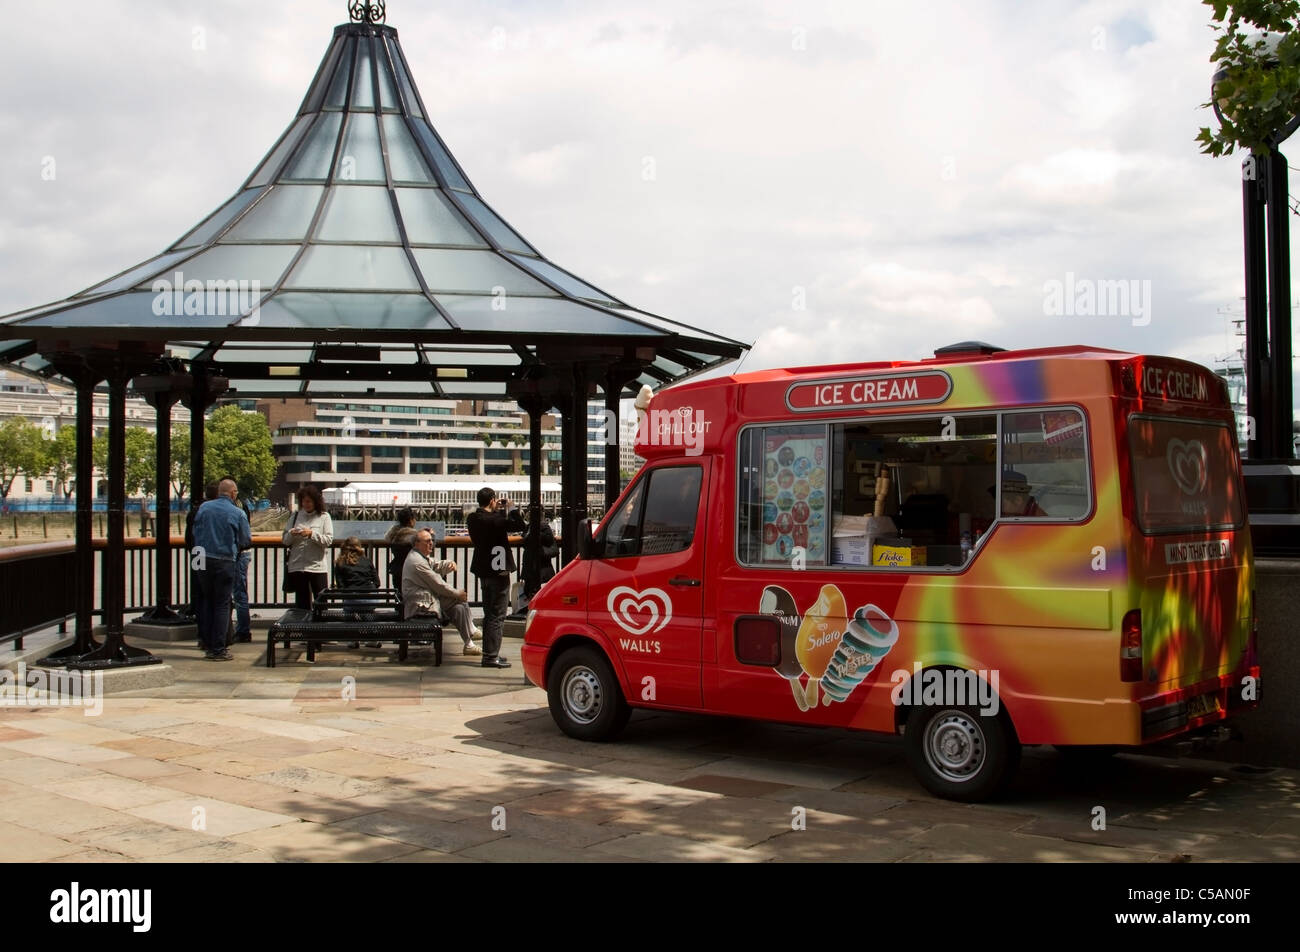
[1187, 464]
[640, 613]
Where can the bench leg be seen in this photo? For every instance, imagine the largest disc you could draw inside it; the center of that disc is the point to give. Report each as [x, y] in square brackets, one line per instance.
[401, 650]
[270, 651]
[311, 651]
[437, 649]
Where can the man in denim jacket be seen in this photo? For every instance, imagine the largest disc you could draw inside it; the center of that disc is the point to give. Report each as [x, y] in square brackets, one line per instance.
[220, 531]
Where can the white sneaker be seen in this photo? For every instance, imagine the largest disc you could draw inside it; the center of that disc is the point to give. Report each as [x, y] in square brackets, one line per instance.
[478, 632]
[471, 649]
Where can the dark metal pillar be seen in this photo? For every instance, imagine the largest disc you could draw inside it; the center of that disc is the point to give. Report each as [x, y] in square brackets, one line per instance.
[1279, 440]
[161, 391]
[83, 581]
[115, 652]
[575, 462]
[618, 376]
[1254, 178]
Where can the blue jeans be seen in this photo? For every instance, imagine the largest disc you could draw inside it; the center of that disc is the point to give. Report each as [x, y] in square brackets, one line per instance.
[216, 583]
[243, 627]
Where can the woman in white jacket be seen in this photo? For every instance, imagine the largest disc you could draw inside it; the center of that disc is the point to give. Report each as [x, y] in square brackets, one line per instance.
[309, 536]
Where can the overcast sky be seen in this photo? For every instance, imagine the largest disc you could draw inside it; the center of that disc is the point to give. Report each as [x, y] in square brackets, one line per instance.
[829, 181]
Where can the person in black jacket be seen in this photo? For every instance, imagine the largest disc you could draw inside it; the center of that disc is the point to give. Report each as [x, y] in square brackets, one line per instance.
[353, 571]
[537, 572]
[493, 563]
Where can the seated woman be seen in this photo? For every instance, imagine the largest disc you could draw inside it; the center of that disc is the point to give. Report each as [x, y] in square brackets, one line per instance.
[353, 571]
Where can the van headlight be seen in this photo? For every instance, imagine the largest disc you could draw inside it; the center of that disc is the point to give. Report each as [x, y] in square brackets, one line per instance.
[528, 622]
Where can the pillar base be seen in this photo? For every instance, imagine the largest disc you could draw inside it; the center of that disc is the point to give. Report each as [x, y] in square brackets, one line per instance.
[111, 656]
[161, 615]
[1273, 500]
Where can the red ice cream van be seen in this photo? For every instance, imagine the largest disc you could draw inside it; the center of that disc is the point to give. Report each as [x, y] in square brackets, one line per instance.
[978, 551]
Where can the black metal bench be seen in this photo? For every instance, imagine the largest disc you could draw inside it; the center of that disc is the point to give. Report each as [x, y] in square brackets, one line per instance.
[343, 615]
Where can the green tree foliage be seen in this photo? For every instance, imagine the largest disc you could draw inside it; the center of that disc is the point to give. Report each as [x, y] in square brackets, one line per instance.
[1261, 93]
[180, 468]
[238, 445]
[140, 477]
[63, 458]
[22, 449]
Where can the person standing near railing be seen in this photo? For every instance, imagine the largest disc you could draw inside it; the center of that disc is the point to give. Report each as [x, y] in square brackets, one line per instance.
[309, 535]
[220, 532]
[493, 563]
[243, 621]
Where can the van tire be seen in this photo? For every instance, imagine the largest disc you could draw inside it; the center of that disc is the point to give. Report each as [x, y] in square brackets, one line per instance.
[585, 698]
[959, 754]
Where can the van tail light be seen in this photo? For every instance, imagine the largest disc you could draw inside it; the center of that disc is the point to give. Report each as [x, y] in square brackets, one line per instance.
[1130, 647]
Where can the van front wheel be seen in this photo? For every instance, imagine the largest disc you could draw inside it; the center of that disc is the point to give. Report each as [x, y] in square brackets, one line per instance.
[585, 699]
[960, 754]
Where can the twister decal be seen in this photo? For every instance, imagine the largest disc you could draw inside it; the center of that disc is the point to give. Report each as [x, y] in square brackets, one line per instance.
[834, 653]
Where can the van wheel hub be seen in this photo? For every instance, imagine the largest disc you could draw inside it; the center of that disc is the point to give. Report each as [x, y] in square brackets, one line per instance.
[955, 747]
[582, 694]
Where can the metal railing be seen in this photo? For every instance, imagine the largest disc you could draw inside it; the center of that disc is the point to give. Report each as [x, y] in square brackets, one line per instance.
[37, 581]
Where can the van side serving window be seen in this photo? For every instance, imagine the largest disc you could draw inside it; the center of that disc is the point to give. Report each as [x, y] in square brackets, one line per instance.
[659, 514]
[1184, 475]
[907, 491]
[1044, 465]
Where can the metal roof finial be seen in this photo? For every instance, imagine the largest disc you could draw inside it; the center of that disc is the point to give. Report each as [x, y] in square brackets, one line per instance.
[365, 11]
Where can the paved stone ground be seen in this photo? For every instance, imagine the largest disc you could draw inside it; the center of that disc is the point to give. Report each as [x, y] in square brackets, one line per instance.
[243, 763]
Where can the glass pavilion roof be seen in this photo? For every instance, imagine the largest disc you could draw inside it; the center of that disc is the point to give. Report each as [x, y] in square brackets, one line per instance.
[359, 258]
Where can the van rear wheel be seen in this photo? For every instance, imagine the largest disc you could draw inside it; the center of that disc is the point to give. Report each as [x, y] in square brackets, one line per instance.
[959, 754]
[585, 698]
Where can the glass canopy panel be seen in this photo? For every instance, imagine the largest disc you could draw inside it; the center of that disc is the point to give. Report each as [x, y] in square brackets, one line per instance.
[403, 78]
[535, 315]
[348, 312]
[456, 271]
[319, 86]
[404, 159]
[431, 219]
[391, 355]
[339, 88]
[360, 158]
[363, 84]
[279, 385]
[136, 309]
[254, 355]
[441, 157]
[258, 266]
[312, 163]
[670, 327]
[354, 267]
[139, 272]
[377, 387]
[219, 219]
[284, 215]
[271, 166]
[387, 91]
[487, 219]
[358, 213]
[562, 279]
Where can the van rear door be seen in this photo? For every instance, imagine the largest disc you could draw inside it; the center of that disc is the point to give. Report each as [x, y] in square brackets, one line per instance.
[1192, 545]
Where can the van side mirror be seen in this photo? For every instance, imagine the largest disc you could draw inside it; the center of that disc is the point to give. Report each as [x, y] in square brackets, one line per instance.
[589, 547]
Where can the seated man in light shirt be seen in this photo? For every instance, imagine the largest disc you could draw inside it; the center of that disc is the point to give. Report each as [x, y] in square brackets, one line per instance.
[425, 591]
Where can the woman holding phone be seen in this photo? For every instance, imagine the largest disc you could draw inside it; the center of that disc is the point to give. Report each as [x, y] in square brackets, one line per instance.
[309, 536]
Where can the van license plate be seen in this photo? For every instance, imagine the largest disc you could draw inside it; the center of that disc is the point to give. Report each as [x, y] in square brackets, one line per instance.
[1203, 704]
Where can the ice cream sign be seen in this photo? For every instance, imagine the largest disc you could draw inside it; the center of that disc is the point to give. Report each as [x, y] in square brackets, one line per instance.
[1168, 383]
[848, 393]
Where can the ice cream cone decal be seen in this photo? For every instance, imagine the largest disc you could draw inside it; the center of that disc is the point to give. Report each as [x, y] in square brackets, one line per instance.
[868, 638]
[819, 634]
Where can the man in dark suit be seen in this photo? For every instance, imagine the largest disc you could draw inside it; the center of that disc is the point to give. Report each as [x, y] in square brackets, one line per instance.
[493, 563]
